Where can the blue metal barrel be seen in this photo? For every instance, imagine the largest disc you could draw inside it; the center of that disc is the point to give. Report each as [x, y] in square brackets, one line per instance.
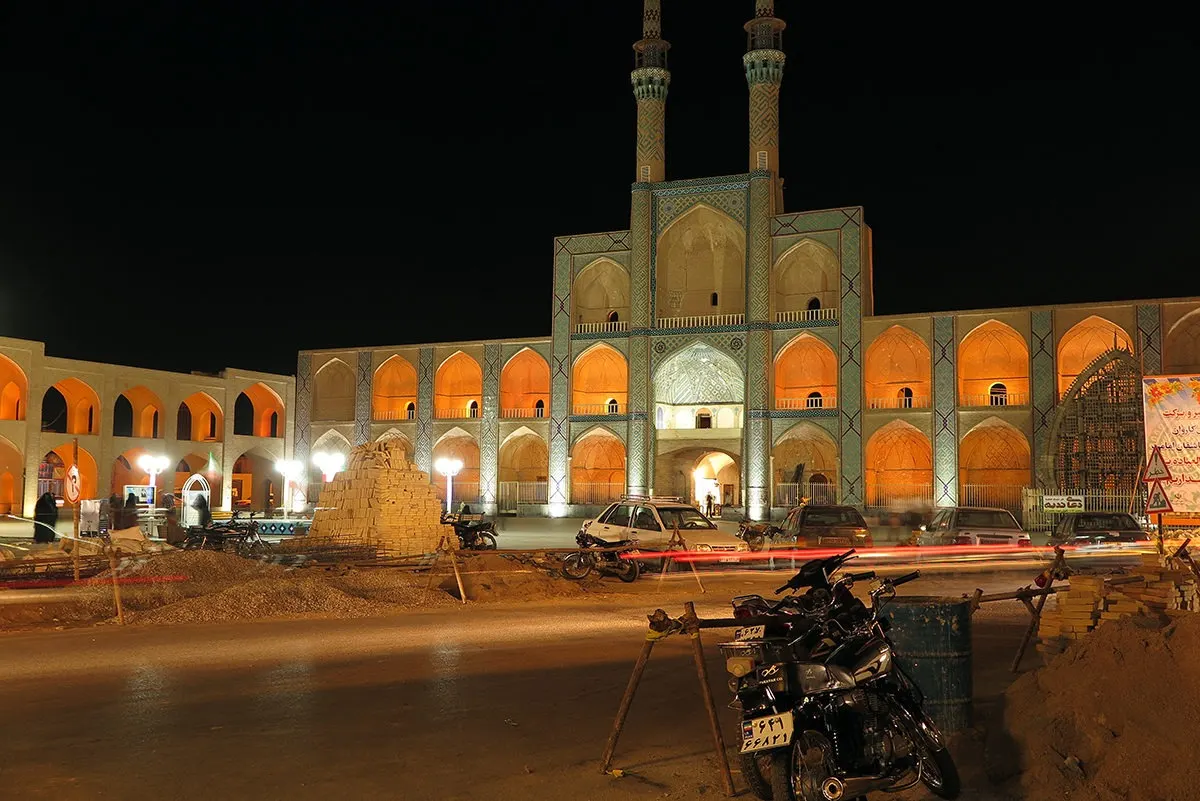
[932, 636]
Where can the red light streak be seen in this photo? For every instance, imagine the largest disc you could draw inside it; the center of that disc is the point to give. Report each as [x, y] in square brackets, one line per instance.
[38, 584]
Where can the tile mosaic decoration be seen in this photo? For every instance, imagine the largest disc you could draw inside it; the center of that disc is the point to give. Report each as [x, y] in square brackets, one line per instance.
[304, 391]
[1041, 370]
[424, 444]
[489, 426]
[1149, 318]
[362, 398]
[945, 416]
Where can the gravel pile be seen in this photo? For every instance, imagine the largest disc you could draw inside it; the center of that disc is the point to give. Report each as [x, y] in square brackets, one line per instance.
[205, 567]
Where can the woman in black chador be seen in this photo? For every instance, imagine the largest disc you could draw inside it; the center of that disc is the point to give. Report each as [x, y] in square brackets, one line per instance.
[45, 512]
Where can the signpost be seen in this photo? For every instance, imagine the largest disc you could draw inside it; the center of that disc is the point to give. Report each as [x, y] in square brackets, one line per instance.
[1062, 503]
[71, 491]
[1157, 501]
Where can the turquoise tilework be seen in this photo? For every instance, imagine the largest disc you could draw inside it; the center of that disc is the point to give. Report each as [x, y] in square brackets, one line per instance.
[1149, 317]
[362, 398]
[424, 444]
[489, 425]
[1041, 369]
[945, 416]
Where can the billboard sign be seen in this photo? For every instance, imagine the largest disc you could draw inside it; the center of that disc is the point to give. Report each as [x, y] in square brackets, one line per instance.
[1171, 412]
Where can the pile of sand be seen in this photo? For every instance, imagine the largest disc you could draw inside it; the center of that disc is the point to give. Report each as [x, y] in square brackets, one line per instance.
[505, 577]
[202, 567]
[1114, 716]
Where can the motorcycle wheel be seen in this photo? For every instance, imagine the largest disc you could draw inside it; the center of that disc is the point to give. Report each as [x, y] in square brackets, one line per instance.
[938, 771]
[755, 540]
[577, 566]
[752, 770]
[485, 542]
[628, 571]
[797, 772]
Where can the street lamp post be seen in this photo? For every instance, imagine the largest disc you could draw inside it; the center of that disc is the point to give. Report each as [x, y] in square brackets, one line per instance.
[290, 469]
[153, 465]
[329, 463]
[449, 468]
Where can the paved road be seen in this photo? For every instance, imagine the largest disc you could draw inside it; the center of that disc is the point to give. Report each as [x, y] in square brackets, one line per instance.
[485, 701]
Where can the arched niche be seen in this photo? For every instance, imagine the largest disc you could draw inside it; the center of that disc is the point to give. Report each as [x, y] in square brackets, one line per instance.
[52, 473]
[600, 290]
[896, 371]
[597, 468]
[806, 374]
[255, 484]
[899, 466]
[14, 390]
[201, 419]
[600, 381]
[524, 382]
[1084, 342]
[190, 466]
[458, 387]
[71, 406]
[333, 392]
[458, 444]
[1181, 346]
[994, 454]
[699, 374]
[993, 367]
[394, 390]
[806, 277]
[398, 435]
[258, 412]
[701, 259]
[805, 451]
[524, 457]
[138, 412]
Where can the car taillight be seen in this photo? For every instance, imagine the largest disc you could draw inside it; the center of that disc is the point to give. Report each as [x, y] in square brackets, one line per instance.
[1025, 543]
[742, 611]
[962, 539]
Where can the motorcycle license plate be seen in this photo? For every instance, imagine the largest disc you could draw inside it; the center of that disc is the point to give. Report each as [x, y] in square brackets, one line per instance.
[750, 633]
[773, 731]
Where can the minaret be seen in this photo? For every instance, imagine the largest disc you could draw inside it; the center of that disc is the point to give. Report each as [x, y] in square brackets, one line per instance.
[650, 80]
[764, 72]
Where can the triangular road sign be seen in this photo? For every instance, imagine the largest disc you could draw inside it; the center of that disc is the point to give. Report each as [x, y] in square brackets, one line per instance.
[1157, 500]
[1156, 468]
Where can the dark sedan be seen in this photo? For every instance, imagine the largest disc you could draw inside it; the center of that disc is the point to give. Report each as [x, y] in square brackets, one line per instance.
[827, 527]
[1097, 528]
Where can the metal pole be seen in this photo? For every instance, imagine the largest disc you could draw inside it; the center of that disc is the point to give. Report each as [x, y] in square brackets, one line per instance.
[693, 628]
[75, 513]
[457, 576]
[1059, 563]
[449, 492]
[639, 667]
[1161, 547]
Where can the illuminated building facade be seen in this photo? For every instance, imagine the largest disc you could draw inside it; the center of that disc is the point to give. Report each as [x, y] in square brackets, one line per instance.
[723, 346]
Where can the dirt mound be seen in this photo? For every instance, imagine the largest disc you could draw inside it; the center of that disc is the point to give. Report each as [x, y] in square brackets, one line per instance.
[504, 577]
[206, 567]
[1111, 717]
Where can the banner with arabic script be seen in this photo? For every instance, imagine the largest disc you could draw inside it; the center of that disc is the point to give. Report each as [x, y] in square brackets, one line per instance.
[1171, 408]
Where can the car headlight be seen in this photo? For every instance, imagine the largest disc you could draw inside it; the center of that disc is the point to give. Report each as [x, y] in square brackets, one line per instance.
[704, 548]
[741, 546]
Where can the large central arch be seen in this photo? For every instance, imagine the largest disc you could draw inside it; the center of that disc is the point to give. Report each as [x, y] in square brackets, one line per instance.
[701, 265]
[699, 387]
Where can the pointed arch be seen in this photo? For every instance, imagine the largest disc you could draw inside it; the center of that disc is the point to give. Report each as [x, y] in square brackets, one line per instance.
[458, 444]
[524, 457]
[394, 389]
[138, 412]
[524, 381]
[1181, 345]
[600, 290]
[899, 466]
[14, 390]
[207, 421]
[992, 354]
[806, 277]
[806, 374]
[600, 377]
[597, 467]
[71, 406]
[994, 454]
[457, 384]
[52, 472]
[699, 374]
[334, 387]
[1084, 342]
[397, 434]
[258, 411]
[701, 252]
[898, 360]
[803, 452]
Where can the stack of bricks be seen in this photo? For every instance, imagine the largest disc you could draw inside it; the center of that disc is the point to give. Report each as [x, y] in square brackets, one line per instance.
[381, 499]
[1169, 589]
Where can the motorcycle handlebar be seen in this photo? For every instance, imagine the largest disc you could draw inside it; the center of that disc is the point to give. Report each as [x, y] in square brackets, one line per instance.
[864, 576]
[916, 574]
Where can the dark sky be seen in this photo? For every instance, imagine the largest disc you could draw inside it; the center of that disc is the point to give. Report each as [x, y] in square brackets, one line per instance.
[176, 180]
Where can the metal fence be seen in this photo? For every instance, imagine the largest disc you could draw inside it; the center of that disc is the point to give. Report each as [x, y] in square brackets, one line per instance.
[896, 498]
[511, 494]
[818, 493]
[1035, 518]
[596, 494]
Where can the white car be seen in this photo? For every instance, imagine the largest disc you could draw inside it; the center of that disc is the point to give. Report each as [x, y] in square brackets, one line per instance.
[652, 522]
[974, 525]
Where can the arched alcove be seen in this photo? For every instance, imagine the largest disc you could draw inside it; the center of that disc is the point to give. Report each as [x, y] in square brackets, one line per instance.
[896, 371]
[333, 392]
[204, 421]
[457, 384]
[14, 390]
[458, 444]
[255, 483]
[394, 389]
[524, 382]
[397, 435]
[899, 467]
[804, 366]
[993, 465]
[804, 451]
[993, 353]
[807, 277]
[600, 381]
[600, 290]
[258, 412]
[1084, 342]
[597, 468]
[700, 253]
[138, 412]
[699, 387]
[71, 406]
[1181, 346]
[52, 473]
[524, 457]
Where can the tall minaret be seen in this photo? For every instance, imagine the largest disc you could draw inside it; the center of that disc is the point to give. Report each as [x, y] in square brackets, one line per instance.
[650, 80]
[764, 72]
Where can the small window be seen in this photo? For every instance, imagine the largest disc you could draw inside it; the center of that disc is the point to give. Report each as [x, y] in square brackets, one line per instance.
[814, 400]
[703, 420]
[613, 406]
[274, 430]
[998, 395]
[473, 408]
[714, 298]
[212, 425]
[91, 420]
[410, 411]
[645, 520]
[814, 304]
[905, 397]
[619, 516]
[154, 425]
[612, 317]
[539, 408]
[660, 418]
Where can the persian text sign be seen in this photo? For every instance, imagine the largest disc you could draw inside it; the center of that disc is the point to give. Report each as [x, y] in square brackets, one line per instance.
[1062, 503]
[1171, 406]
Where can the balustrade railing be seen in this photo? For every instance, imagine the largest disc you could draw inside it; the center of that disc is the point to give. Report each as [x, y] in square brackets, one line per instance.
[523, 413]
[823, 402]
[511, 494]
[600, 408]
[995, 399]
[806, 315]
[396, 414]
[819, 493]
[611, 327]
[915, 402]
[700, 321]
[454, 413]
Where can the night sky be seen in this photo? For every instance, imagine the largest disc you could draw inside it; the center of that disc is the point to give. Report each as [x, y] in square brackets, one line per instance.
[176, 180]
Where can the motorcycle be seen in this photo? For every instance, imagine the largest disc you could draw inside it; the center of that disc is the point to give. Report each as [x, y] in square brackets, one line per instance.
[473, 534]
[756, 534]
[828, 713]
[579, 565]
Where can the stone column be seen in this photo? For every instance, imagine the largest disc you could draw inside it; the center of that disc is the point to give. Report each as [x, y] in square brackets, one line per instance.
[756, 468]
[424, 444]
[362, 399]
[945, 412]
[489, 428]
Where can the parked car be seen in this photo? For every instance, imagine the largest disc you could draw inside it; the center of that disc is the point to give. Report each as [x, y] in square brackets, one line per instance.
[974, 525]
[652, 521]
[1098, 528]
[827, 527]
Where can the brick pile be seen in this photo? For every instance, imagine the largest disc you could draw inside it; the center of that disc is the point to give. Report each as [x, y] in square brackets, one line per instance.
[1166, 589]
[381, 499]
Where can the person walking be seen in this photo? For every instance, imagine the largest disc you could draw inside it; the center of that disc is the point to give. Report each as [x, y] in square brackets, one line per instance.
[708, 504]
[45, 515]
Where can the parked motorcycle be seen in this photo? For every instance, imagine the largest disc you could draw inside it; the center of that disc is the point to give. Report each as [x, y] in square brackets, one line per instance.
[828, 714]
[579, 565]
[756, 534]
[473, 534]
